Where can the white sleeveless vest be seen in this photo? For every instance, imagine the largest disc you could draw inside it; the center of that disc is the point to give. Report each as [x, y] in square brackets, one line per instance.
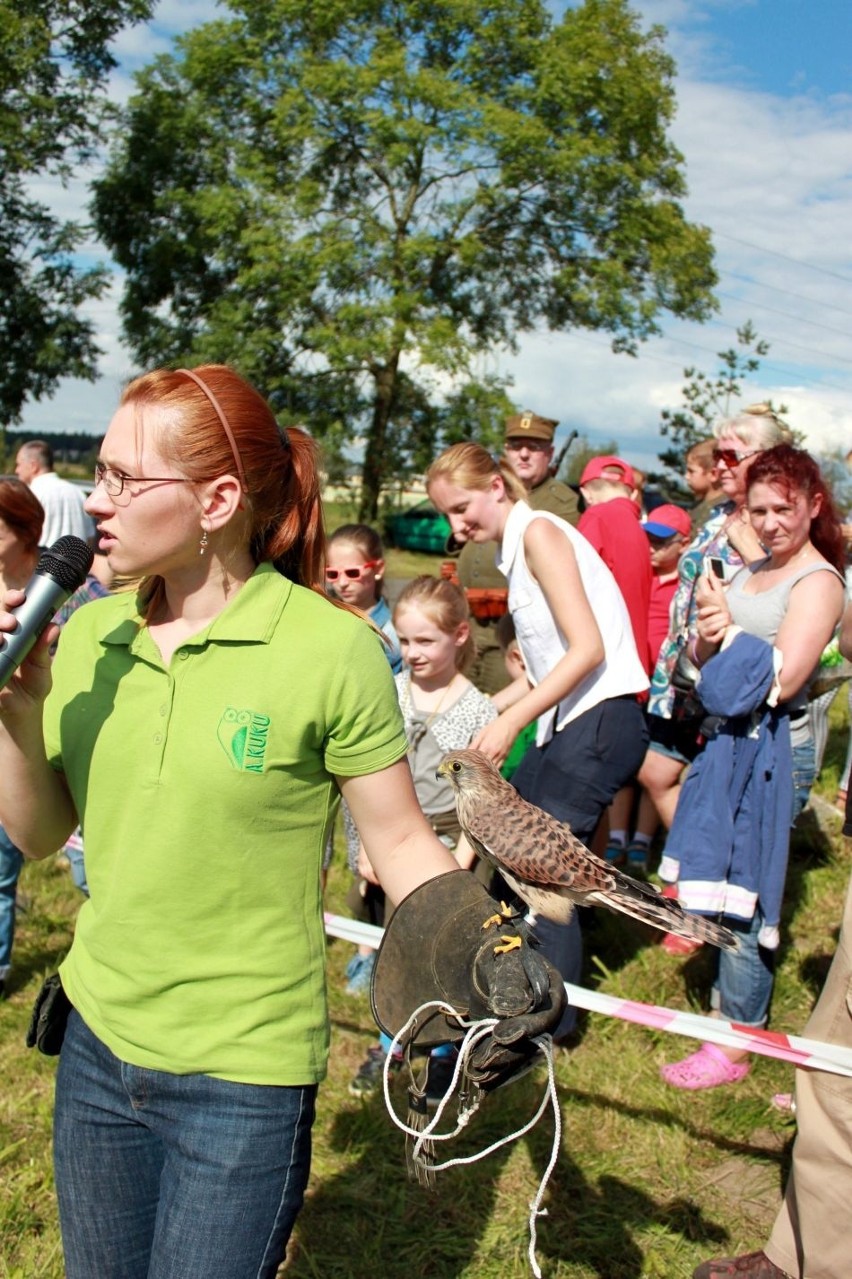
[542, 642]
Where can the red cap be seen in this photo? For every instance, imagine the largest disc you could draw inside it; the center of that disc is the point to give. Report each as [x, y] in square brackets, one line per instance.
[667, 520]
[596, 466]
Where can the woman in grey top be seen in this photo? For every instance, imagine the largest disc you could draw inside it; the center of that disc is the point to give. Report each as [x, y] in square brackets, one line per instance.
[793, 599]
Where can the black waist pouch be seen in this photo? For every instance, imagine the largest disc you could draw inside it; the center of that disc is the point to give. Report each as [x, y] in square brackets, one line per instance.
[50, 1015]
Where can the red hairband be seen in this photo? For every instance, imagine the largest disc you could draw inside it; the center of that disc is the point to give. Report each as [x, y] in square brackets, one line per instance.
[221, 416]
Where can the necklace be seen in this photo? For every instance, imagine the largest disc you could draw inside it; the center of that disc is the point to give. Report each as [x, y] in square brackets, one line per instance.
[420, 730]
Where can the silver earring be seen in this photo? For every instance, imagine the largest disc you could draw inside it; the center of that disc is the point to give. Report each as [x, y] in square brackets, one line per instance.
[202, 545]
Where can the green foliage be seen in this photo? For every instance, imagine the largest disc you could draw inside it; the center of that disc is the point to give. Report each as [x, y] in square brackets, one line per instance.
[707, 398]
[353, 202]
[54, 64]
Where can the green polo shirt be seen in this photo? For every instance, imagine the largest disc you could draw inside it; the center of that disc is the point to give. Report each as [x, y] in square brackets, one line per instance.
[205, 793]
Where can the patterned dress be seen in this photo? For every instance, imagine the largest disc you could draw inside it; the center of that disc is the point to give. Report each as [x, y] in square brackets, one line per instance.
[710, 540]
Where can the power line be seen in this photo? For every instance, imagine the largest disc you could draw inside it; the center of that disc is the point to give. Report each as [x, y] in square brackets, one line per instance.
[646, 354]
[783, 341]
[801, 297]
[764, 363]
[761, 248]
[800, 319]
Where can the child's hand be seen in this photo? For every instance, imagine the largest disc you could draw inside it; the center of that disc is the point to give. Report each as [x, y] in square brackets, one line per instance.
[496, 739]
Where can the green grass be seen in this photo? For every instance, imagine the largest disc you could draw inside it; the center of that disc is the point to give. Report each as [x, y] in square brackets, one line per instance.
[649, 1181]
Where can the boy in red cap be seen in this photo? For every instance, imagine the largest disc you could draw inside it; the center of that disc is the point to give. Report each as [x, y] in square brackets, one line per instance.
[668, 532]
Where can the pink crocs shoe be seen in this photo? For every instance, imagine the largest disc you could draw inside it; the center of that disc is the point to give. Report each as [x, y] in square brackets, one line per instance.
[707, 1068]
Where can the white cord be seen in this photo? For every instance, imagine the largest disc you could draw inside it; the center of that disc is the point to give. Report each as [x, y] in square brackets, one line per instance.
[475, 1032]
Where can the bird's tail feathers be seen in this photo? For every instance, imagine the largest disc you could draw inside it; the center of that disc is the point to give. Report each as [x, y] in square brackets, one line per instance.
[661, 912]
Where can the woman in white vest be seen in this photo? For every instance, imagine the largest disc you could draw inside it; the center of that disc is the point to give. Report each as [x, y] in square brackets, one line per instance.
[583, 672]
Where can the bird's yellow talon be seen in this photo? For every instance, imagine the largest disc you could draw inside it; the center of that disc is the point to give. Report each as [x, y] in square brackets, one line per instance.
[506, 911]
[491, 920]
[510, 943]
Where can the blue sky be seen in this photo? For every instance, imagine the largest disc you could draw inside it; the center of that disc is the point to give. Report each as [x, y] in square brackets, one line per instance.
[785, 46]
[765, 125]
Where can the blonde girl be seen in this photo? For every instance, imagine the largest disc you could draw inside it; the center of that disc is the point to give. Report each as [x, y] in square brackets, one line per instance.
[442, 711]
[582, 668]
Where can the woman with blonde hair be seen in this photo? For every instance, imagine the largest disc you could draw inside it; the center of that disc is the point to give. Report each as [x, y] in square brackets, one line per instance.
[582, 674]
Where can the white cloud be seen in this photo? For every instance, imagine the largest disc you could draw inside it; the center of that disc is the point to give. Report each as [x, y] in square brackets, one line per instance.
[769, 175]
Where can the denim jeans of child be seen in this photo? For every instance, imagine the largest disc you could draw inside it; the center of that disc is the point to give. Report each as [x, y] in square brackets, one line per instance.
[163, 1176]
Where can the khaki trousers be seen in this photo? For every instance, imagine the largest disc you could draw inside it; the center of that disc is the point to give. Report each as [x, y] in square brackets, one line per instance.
[812, 1236]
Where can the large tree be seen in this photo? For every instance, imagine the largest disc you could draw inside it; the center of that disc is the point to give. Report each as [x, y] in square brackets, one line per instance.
[54, 63]
[353, 200]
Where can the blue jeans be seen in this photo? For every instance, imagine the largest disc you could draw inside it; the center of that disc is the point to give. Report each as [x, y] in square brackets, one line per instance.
[11, 862]
[163, 1176]
[804, 774]
[743, 987]
[73, 850]
[745, 977]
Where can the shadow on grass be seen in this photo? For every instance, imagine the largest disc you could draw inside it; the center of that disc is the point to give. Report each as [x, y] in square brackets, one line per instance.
[33, 966]
[370, 1220]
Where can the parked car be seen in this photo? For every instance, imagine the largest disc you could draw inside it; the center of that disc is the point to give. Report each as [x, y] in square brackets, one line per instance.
[420, 528]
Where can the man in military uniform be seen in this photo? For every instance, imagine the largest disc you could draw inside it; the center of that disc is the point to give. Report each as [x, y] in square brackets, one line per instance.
[528, 447]
[529, 450]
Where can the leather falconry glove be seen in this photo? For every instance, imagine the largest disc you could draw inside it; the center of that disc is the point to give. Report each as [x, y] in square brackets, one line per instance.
[450, 941]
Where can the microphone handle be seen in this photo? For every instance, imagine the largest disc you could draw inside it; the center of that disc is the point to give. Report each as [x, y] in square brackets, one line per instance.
[44, 596]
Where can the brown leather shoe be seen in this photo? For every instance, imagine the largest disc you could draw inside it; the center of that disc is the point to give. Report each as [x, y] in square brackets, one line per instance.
[753, 1265]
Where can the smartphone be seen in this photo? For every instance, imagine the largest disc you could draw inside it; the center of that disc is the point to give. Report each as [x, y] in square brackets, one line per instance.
[714, 566]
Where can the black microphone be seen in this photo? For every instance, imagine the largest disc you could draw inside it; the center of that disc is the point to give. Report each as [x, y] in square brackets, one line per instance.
[61, 571]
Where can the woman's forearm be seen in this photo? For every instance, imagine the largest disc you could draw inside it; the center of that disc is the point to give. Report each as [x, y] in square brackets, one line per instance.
[36, 809]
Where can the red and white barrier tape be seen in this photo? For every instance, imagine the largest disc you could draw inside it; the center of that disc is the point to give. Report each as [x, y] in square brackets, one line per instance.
[809, 1053]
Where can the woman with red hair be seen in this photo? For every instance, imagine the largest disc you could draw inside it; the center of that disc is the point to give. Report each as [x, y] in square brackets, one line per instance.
[791, 601]
[199, 728]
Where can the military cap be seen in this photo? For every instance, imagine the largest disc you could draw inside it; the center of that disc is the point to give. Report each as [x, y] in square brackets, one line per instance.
[532, 426]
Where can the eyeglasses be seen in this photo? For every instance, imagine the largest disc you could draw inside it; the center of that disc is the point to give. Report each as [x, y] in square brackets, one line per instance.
[515, 445]
[114, 481]
[731, 457]
[354, 574]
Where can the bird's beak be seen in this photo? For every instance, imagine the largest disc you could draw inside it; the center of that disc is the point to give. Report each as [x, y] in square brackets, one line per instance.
[440, 771]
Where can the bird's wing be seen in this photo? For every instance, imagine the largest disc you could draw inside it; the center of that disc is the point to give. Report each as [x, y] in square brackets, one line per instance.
[535, 847]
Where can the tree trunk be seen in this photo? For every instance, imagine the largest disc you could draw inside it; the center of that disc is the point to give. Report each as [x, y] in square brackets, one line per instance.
[373, 473]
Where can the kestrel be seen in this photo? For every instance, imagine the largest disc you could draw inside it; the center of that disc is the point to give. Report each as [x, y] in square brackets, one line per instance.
[548, 868]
